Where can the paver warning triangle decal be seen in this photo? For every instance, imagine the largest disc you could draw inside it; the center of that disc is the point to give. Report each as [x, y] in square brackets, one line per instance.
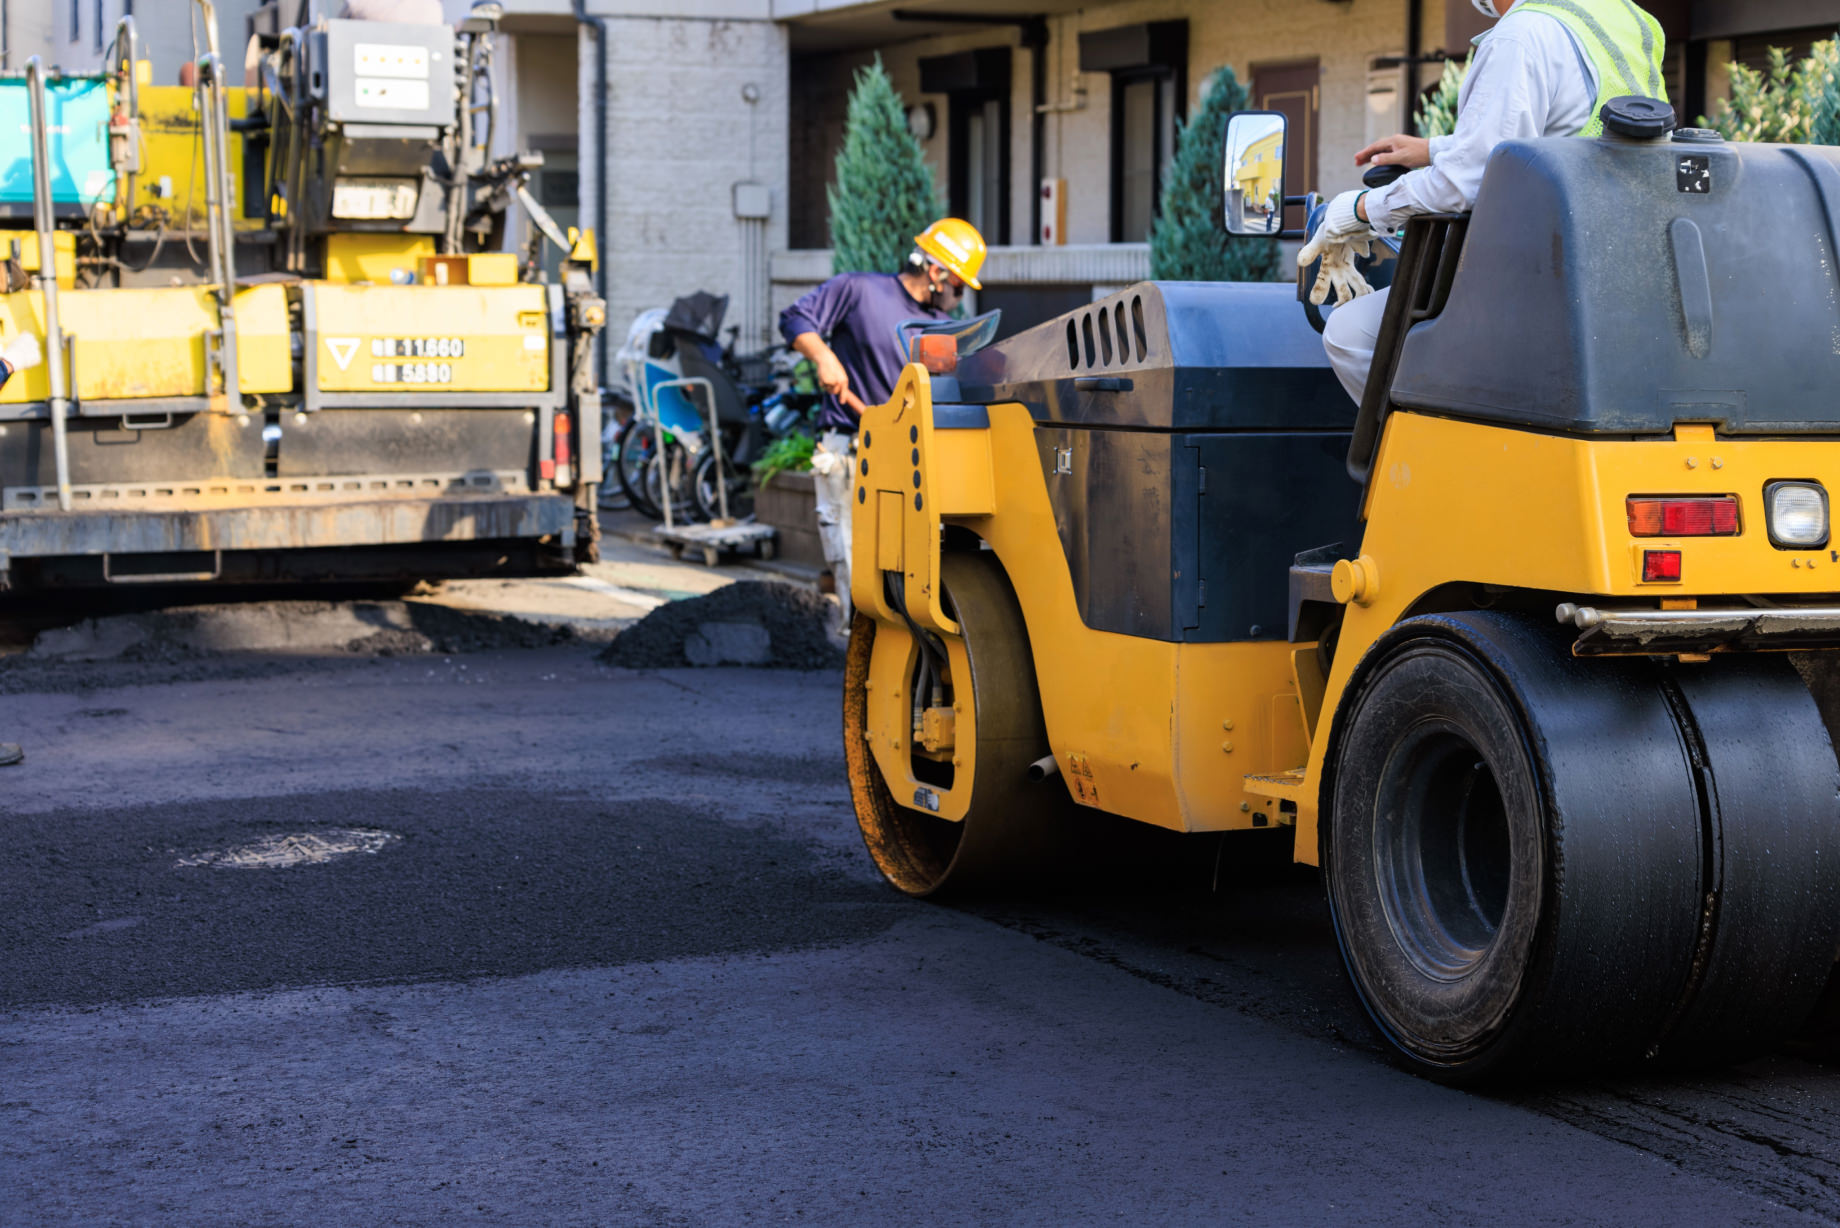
[342, 349]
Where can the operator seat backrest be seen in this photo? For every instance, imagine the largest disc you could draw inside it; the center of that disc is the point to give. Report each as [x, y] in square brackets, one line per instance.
[1421, 286]
[693, 358]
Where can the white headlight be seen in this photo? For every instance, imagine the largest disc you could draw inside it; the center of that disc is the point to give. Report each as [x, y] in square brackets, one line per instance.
[1798, 514]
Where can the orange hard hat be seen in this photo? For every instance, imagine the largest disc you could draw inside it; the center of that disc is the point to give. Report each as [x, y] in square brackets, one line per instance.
[957, 246]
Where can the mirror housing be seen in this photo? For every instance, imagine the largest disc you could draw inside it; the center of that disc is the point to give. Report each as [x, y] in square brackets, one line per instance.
[483, 18]
[1252, 173]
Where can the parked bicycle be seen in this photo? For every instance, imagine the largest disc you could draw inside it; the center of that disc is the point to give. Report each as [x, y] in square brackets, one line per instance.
[672, 365]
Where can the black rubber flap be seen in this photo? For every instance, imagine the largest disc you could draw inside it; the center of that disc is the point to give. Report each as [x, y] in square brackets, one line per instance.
[1603, 290]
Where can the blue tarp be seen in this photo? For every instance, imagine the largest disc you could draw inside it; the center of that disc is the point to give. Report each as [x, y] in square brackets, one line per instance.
[78, 109]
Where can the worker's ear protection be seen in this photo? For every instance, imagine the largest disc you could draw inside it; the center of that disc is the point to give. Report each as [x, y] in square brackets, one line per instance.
[940, 290]
[1486, 8]
[945, 294]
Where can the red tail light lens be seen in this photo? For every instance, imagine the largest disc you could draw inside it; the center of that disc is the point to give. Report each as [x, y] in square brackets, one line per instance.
[1660, 566]
[1716, 516]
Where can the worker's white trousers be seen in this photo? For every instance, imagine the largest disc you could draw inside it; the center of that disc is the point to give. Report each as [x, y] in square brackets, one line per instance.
[832, 484]
[1352, 331]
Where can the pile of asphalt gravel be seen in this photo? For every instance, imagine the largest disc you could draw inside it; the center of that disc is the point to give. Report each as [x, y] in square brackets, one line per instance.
[765, 624]
[362, 628]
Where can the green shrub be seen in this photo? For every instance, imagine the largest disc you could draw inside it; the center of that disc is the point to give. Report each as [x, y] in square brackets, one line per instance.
[1437, 114]
[787, 453]
[1188, 241]
[882, 194]
[1793, 104]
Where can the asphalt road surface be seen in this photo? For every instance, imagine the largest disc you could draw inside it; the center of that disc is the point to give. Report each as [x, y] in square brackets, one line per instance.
[517, 938]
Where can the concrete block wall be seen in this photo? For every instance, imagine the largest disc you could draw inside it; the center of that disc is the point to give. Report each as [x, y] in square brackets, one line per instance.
[681, 134]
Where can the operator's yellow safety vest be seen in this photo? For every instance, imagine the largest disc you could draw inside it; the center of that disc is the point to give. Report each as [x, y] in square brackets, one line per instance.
[1623, 42]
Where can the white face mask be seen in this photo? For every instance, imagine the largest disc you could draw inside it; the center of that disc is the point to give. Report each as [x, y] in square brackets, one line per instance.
[1486, 8]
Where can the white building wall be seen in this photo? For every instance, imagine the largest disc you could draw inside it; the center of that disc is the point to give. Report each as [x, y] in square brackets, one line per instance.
[42, 27]
[681, 133]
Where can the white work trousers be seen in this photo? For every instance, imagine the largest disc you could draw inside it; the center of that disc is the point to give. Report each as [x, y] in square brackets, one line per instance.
[832, 483]
[1352, 331]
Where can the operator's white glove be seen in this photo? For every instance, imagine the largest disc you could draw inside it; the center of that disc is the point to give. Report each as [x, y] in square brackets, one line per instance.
[22, 353]
[1341, 239]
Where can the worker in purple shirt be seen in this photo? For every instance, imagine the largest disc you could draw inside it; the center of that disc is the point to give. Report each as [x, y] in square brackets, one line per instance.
[850, 328]
[19, 354]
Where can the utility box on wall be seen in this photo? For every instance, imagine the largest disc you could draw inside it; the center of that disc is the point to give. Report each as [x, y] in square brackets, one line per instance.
[1053, 212]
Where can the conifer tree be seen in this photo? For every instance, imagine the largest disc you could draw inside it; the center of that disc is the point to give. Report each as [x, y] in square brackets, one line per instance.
[882, 194]
[1189, 242]
[1437, 111]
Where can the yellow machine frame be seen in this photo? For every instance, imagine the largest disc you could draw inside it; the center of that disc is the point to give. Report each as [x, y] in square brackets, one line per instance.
[1218, 737]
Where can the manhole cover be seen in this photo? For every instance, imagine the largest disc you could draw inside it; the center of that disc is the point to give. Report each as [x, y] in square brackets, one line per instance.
[304, 848]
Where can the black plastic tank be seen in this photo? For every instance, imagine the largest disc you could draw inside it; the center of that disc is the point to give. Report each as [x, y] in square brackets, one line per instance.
[1192, 439]
[1188, 356]
[1615, 287]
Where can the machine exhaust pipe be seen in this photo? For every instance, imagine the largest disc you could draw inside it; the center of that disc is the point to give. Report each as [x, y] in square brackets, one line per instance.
[1043, 768]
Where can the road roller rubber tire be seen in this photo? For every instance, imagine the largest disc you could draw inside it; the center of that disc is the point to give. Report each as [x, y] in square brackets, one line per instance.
[1006, 839]
[1511, 851]
[1770, 812]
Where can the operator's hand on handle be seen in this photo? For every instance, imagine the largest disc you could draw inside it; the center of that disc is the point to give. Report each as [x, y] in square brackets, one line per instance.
[1343, 237]
[1400, 149]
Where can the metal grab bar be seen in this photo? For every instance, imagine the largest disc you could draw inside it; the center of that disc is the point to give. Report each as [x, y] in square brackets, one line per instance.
[43, 223]
[128, 44]
[213, 114]
[216, 571]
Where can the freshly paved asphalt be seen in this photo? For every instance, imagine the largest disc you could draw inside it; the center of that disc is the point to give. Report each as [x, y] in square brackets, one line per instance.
[626, 964]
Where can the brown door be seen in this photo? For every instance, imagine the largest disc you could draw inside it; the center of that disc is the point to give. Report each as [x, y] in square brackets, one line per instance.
[1294, 89]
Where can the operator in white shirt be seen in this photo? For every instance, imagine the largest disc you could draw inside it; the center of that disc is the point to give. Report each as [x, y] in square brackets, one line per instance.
[1545, 69]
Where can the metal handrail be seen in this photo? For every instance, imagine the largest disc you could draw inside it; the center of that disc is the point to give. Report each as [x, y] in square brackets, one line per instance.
[213, 114]
[715, 442]
[127, 37]
[290, 53]
[43, 223]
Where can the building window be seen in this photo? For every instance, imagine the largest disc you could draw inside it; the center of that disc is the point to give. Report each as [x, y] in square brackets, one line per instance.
[1149, 70]
[1143, 141]
[980, 189]
[96, 34]
[76, 21]
[976, 85]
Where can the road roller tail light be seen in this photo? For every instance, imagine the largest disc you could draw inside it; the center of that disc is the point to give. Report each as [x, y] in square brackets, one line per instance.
[1714, 516]
[563, 457]
[1797, 513]
[1661, 567]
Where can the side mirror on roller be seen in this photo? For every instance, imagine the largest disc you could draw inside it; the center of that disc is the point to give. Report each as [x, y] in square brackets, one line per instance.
[1252, 173]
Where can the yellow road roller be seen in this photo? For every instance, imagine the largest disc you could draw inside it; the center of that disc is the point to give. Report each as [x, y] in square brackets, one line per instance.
[281, 340]
[1545, 689]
